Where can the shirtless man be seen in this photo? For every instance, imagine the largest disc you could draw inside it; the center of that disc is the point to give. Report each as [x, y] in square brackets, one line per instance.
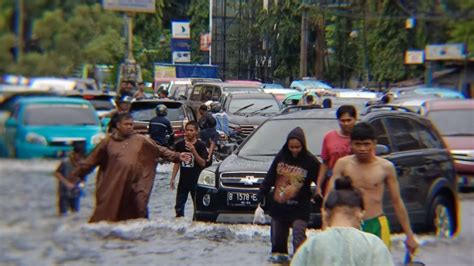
[370, 174]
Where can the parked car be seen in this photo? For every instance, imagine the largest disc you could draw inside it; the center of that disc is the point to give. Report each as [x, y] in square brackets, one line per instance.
[416, 91]
[227, 192]
[178, 113]
[206, 91]
[308, 84]
[280, 93]
[47, 126]
[454, 120]
[180, 89]
[247, 111]
[103, 103]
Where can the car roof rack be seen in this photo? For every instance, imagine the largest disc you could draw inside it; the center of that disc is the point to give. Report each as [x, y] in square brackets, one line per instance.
[390, 107]
[290, 109]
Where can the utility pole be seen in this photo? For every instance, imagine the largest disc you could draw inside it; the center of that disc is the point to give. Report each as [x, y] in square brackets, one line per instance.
[130, 16]
[320, 47]
[210, 31]
[20, 29]
[304, 41]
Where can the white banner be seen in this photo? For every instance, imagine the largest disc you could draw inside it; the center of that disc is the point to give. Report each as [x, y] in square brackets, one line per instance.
[181, 57]
[147, 6]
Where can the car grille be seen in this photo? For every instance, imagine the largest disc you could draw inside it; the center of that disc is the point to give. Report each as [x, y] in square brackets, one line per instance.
[64, 142]
[247, 180]
[247, 129]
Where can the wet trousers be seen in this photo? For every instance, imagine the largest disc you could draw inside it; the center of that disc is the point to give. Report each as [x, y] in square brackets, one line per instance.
[68, 203]
[182, 197]
[280, 231]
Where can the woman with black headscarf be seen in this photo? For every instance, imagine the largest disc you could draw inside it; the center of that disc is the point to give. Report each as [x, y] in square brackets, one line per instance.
[291, 173]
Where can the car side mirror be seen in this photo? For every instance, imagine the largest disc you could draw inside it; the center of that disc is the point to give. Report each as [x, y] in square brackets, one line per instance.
[11, 122]
[381, 150]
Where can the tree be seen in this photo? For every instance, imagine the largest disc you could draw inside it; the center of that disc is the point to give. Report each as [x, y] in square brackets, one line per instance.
[7, 38]
[463, 30]
[387, 42]
[89, 36]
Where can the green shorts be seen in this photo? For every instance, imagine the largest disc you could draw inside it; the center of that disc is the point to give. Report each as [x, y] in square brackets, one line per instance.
[378, 226]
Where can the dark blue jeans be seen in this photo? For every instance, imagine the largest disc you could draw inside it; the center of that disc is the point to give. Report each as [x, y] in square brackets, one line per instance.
[182, 197]
[68, 199]
[68, 203]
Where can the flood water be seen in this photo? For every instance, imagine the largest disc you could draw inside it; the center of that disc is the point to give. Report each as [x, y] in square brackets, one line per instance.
[31, 233]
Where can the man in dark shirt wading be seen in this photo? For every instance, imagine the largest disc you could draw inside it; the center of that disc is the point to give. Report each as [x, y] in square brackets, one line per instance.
[189, 170]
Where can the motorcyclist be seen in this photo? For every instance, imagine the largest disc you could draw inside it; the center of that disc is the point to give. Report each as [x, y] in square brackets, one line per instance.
[222, 119]
[160, 128]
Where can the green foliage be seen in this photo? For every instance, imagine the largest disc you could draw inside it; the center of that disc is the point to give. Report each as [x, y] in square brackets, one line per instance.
[387, 43]
[7, 38]
[89, 36]
[199, 13]
[280, 24]
[463, 31]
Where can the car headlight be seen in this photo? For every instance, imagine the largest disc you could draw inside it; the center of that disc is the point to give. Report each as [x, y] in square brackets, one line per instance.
[36, 139]
[207, 178]
[97, 138]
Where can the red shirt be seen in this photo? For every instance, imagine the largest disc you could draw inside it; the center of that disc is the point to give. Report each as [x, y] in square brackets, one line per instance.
[335, 146]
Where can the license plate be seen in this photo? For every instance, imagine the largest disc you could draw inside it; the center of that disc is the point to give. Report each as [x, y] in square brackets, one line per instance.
[241, 199]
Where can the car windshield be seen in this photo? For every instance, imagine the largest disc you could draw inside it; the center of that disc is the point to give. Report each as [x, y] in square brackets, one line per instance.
[241, 89]
[271, 136]
[147, 113]
[449, 122]
[59, 114]
[271, 104]
[102, 104]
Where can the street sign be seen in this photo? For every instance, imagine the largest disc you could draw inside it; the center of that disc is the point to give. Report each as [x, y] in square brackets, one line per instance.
[414, 57]
[180, 30]
[454, 51]
[147, 6]
[180, 45]
[181, 57]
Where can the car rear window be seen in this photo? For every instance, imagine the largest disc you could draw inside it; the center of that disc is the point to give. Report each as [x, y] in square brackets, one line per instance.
[271, 136]
[453, 122]
[146, 111]
[59, 114]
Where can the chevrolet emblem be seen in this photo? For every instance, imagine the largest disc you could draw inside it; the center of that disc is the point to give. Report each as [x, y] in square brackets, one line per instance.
[249, 180]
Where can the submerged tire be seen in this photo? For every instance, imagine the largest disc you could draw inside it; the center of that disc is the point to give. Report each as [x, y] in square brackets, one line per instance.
[442, 219]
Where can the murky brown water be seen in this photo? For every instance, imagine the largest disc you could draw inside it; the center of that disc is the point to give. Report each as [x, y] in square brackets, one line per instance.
[31, 233]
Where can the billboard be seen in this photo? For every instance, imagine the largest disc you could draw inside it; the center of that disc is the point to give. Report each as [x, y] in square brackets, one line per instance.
[147, 6]
[180, 30]
[453, 51]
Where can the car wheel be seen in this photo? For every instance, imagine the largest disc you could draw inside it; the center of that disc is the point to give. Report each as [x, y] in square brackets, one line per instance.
[442, 217]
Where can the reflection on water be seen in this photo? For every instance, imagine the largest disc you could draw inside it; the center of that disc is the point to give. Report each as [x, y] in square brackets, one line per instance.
[31, 233]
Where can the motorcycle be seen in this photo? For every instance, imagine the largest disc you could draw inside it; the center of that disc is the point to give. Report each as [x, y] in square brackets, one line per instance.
[224, 147]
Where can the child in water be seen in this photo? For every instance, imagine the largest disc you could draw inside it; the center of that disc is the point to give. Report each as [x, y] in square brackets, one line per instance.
[69, 193]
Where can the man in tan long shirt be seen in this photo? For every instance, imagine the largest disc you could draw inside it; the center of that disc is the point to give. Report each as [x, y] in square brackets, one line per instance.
[127, 167]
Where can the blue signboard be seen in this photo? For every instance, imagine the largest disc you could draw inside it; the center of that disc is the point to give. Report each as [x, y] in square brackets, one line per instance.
[180, 45]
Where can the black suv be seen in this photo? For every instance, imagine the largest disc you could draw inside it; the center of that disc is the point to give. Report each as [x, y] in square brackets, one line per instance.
[227, 192]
